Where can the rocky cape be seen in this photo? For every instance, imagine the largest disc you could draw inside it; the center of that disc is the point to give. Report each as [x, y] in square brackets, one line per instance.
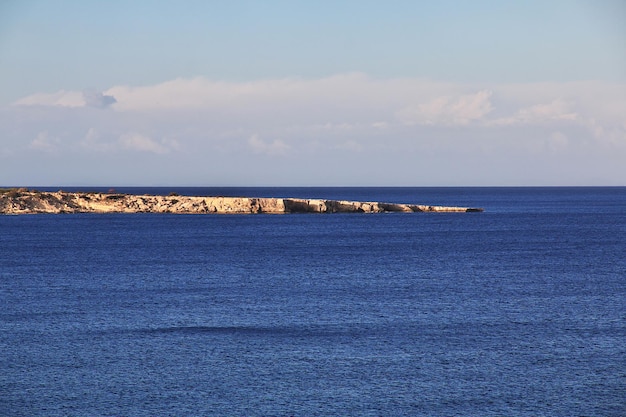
[23, 201]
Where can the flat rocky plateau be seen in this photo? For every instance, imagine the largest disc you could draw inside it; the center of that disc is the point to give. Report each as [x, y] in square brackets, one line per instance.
[23, 201]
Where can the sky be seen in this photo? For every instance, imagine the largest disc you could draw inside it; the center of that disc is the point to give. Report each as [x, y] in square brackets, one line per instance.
[312, 93]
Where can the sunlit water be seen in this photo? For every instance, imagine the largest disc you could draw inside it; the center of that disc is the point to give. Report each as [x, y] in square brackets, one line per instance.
[520, 310]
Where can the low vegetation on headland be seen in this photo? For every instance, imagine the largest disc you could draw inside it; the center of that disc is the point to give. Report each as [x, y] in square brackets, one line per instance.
[25, 201]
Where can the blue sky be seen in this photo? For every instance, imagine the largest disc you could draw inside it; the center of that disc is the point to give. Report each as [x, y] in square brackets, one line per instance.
[312, 93]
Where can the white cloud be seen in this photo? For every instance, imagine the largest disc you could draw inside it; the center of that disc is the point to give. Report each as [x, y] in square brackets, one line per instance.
[459, 110]
[70, 99]
[343, 98]
[138, 142]
[276, 147]
[556, 110]
[61, 98]
[400, 126]
[93, 142]
[43, 142]
[129, 141]
[613, 135]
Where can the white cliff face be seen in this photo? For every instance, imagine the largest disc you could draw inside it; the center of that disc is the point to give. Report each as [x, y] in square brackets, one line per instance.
[29, 202]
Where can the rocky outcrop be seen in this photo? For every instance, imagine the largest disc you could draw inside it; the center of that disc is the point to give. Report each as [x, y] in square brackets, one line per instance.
[21, 201]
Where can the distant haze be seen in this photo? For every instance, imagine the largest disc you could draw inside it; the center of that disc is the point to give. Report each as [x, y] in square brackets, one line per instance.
[312, 93]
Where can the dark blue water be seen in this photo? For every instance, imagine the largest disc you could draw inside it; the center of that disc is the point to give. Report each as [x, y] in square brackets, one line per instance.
[517, 311]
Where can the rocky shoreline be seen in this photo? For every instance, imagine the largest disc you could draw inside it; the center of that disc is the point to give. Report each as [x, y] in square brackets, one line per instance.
[23, 201]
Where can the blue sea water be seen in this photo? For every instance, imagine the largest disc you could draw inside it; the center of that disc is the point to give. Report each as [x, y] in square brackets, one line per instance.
[517, 311]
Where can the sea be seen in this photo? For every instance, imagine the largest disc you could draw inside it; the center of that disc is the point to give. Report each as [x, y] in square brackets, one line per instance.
[516, 311]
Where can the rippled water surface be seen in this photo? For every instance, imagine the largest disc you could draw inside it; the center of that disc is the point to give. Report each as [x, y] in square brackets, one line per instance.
[520, 310]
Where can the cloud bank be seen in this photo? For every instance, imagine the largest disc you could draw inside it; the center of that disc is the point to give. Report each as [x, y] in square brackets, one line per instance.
[70, 99]
[323, 131]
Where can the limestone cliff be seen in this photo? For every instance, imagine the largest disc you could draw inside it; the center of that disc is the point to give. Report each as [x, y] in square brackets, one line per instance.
[22, 201]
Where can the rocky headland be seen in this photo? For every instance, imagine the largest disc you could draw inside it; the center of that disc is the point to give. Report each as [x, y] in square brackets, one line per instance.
[24, 201]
